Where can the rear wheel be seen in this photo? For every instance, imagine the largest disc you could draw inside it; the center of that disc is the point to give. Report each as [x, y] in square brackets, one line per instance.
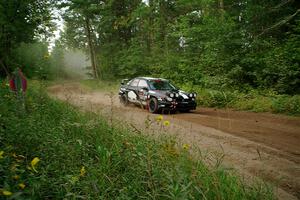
[153, 105]
[124, 99]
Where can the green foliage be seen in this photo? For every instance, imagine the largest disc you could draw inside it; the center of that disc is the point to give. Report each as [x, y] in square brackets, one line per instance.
[36, 62]
[286, 104]
[34, 59]
[282, 69]
[22, 22]
[93, 160]
[242, 44]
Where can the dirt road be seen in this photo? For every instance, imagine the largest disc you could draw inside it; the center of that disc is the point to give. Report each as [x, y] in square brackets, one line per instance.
[255, 144]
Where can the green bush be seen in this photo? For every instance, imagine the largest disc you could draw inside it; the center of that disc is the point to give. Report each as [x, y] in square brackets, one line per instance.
[34, 59]
[286, 104]
[252, 100]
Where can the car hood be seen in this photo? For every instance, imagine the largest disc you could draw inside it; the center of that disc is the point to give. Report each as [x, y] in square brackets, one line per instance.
[166, 93]
[160, 93]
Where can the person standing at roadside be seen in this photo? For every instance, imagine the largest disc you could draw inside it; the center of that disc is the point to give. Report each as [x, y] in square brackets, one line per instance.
[18, 84]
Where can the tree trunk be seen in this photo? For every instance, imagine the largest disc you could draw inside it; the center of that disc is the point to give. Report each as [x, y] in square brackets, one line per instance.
[280, 23]
[150, 33]
[221, 3]
[4, 67]
[91, 48]
[221, 7]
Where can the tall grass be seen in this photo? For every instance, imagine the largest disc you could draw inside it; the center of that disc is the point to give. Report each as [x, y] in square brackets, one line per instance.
[256, 101]
[82, 157]
[250, 99]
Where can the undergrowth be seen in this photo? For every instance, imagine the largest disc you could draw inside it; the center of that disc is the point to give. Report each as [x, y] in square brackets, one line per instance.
[256, 101]
[50, 150]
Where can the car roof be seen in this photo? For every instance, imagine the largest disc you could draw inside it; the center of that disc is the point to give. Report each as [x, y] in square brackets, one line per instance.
[152, 78]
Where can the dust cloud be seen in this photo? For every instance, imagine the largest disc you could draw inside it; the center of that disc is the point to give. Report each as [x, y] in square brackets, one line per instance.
[76, 63]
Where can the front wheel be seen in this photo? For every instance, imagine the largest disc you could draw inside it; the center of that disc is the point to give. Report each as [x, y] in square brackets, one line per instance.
[153, 105]
[124, 99]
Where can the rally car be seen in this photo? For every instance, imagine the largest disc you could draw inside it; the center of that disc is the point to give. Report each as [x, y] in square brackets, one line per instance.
[156, 94]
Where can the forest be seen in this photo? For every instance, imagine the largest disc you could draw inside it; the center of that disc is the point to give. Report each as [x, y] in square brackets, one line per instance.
[238, 44]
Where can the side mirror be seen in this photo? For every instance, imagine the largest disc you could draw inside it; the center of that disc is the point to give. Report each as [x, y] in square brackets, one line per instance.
[124, 81]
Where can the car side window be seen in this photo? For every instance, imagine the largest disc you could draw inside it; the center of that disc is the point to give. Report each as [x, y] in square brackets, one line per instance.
[134, 83]
[143, 84]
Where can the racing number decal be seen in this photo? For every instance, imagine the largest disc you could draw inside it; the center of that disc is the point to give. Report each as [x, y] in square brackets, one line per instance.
[132, 95]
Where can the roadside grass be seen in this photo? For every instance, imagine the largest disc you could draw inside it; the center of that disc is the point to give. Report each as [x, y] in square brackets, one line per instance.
[255, 101]
[53, 151]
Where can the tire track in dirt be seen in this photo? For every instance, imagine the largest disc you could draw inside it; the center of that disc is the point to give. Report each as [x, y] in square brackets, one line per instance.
[256, 145]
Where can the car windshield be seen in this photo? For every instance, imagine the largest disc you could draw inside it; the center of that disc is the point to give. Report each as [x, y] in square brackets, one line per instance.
[160, 85]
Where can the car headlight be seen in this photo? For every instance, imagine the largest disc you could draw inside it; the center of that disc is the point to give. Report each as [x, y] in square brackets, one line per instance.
[191, 95]
[176, 95]
[169, 99]
[172, 95]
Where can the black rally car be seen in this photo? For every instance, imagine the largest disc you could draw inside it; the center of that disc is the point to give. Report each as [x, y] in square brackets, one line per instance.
[156, 94]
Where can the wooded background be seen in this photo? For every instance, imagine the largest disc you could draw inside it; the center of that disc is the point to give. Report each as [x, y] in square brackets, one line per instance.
[208, 43]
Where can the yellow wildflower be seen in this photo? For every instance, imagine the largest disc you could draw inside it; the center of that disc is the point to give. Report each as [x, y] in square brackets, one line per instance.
[34, 162]
[7, 193]
[22, 185]
[159, 118]
[19, 158]
[74, 179]
[82, 171]
[16, 177]
[186, 146]
[14, 167]
[166, 123]
[1, 154]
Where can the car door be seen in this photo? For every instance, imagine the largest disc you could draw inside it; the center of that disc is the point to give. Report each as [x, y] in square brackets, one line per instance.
[133, 88]
[143, 89]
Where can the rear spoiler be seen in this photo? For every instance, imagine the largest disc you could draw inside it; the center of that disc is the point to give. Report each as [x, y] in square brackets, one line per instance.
[124, 81]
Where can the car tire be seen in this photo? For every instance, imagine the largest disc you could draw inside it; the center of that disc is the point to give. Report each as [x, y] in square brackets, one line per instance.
[124, 100]
[153, 105]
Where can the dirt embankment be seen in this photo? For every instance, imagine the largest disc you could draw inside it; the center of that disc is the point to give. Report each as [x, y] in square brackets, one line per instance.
[255, 144]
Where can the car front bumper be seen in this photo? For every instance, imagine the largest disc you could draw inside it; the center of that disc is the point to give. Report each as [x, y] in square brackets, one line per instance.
[174, 105]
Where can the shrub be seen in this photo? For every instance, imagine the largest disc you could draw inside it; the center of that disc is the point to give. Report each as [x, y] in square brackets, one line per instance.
[286, 104]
